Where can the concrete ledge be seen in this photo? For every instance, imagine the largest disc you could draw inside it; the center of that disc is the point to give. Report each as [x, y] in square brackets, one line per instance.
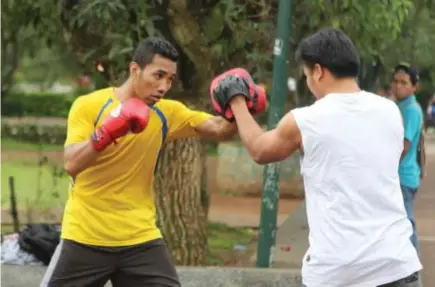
[235, 277]
[29, 276]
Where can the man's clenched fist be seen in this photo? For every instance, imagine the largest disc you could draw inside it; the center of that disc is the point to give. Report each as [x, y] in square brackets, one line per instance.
[132, 115]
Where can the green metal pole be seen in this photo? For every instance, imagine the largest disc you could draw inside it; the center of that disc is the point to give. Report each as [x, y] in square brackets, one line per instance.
[269, 205]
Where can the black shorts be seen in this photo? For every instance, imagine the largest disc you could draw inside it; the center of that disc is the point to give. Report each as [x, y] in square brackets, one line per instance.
[80, 265]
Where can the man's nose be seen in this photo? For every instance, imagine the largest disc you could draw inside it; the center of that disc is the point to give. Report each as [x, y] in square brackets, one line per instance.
[162, 90]
[163, 87]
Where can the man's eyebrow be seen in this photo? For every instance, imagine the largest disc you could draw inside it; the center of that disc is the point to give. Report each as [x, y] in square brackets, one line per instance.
[161, 71]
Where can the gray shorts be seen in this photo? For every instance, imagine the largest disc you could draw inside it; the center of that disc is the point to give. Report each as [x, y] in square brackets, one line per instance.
[76, 264]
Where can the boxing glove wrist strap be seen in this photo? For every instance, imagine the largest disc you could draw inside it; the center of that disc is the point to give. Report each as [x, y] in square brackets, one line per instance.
[100, 139]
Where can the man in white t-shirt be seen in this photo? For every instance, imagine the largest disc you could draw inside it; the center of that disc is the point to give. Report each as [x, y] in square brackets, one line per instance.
[351, 141]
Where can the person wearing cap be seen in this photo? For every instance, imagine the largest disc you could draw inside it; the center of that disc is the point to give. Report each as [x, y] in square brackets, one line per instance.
[405, 84]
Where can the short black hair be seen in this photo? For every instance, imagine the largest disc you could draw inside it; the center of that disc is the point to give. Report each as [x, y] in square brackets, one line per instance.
[408, 69]
[148, 48]
[332, 49]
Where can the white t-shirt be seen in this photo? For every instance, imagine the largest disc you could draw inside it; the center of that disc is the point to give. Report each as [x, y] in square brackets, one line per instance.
[359, 232]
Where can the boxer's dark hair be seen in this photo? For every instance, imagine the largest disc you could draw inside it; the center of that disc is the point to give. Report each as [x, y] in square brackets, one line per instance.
[408, 69]
[331, 49]
[148, 48]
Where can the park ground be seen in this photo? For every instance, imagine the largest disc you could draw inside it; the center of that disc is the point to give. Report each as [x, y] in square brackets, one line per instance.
[41, 190]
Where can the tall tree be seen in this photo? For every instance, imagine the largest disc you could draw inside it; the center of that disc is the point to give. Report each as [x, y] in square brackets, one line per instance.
[14, 34]
[415, 45]
[25, 25]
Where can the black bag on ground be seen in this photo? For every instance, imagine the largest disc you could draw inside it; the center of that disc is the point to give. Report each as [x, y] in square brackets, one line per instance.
[40, 240]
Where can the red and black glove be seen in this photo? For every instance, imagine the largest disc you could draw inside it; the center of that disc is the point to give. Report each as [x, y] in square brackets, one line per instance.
[232, 83]
[132, 115]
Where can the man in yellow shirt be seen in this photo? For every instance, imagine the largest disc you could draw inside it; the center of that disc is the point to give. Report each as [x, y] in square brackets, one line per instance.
[113, 142]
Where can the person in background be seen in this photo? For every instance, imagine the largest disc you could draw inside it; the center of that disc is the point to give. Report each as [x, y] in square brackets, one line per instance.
[405, 83]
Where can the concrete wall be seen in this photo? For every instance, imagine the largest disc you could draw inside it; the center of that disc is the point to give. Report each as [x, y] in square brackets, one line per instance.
[238, 174]
[29, 276]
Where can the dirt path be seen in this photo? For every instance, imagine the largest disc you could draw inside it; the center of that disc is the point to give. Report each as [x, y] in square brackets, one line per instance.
[245, 211]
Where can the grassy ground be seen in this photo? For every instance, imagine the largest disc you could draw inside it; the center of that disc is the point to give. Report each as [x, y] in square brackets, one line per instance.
[229, 245]
[10, 144]
[39, 184]
[41, 187]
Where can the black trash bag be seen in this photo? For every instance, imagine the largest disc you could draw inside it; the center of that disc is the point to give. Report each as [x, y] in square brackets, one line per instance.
[40, 240]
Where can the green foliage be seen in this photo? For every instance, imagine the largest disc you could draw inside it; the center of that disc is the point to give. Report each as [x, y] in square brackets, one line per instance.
[105, 32]
[220, 34]
[416, 41]
[415, 45]
[44, 66]
[372, 25]
[19, 34]
[37, 104]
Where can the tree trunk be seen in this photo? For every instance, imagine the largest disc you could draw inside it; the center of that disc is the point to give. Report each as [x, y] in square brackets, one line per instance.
[181, 181]
[10, 60]
[181, 201]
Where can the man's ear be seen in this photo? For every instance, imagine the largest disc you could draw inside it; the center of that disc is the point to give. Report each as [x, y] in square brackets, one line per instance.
[134, 69]
[317, 72]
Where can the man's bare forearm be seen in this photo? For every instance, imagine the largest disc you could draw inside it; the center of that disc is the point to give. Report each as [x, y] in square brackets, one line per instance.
[251, 130]
[226, 129]
[78, 157]
[217, 128]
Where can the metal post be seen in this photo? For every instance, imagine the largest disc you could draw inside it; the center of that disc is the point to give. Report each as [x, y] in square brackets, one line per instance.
[14, 210]
[269, 205]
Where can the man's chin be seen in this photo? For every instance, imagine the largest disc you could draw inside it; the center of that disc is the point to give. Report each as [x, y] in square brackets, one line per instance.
[401, 97]
[150, 101]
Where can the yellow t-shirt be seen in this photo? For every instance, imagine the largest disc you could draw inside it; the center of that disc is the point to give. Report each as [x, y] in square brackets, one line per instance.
[111, 203]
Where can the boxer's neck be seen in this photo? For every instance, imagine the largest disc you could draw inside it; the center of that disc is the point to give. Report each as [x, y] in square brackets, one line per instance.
[125, 91]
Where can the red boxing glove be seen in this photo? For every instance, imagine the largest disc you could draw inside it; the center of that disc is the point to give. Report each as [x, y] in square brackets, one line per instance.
[226, 85]
[131, 115]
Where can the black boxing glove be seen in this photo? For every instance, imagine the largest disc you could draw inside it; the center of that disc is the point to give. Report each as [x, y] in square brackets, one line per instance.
[236, 82]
